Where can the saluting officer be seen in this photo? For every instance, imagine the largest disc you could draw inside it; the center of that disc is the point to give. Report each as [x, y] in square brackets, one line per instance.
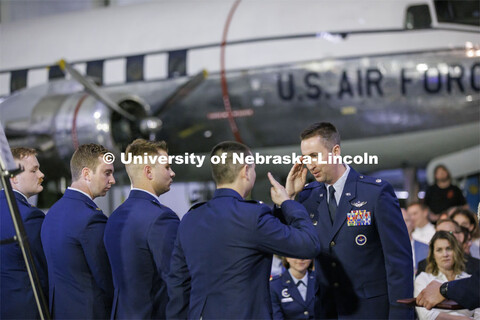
[79, 274]
[366, 261]
[16, 293]
[223, 253]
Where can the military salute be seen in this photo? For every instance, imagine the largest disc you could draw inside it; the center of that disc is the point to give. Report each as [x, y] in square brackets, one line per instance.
[216, 262]
[16, 295]
[223, 252]
[139, 238]
[366, 259]
[79, 274]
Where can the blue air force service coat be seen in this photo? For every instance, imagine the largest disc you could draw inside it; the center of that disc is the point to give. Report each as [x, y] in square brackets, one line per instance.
[79, 274]
[366, 260]
[16, 295]
[139, 239]
[287, 302]
[223, 254]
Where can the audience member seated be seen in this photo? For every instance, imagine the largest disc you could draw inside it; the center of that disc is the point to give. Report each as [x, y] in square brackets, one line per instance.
[419, 249]
[466, 218]
[445, 263]
[423, 229]
[472, 265]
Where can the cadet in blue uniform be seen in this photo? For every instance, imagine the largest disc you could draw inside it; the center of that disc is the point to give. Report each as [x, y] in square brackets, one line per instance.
[366, 259]
[16, 293]
[223, 253]
[79, 274]
[139, 238]
[293, 292]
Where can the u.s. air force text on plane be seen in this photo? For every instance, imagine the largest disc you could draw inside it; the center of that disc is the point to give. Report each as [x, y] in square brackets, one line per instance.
[256, 158]
[369, 82]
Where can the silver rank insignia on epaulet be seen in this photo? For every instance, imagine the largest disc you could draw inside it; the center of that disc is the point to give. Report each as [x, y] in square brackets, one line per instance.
[378, 180]
[359, 204]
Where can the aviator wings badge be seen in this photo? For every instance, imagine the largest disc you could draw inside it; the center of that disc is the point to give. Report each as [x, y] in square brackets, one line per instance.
[359, 204]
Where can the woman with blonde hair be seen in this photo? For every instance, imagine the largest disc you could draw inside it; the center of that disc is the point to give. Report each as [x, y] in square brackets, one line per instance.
[445, 262]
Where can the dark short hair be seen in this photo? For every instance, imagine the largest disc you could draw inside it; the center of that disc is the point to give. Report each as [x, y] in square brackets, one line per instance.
[325, 130]
[86, 156]
[459, 260]
[227, 172]
[22, 152]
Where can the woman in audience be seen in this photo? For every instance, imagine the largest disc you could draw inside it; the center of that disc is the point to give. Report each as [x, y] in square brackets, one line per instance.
[445, 262]
[467, 219]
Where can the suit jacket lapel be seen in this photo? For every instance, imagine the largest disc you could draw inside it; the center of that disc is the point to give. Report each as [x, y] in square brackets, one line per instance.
[310, 288]
[292, 288]
[349, 193]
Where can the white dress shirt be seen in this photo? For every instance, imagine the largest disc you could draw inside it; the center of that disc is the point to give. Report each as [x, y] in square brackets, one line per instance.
[78, 190]
[424, 234]
[301, 288]
[339, 185]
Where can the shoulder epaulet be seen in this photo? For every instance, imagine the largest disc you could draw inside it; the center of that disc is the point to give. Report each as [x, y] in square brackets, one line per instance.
[196, 205]
[253, 201]
[275, 277]
[371, 180]
[311, 185]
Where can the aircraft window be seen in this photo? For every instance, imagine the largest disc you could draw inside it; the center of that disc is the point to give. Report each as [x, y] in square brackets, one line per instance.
[458, 11]
[54, 72]
[95, 71]
[418, 17]
[18, 80]
[135, 68]
[177, 63]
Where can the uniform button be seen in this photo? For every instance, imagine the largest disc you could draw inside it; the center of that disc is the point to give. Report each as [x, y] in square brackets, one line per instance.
[332, 244]
[334, 264]
[315, 222]
[336, 284]
[306, 313]
[312, 215]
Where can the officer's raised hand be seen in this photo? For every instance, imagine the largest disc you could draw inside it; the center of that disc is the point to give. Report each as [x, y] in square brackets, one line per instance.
[277, 191]
[296, 180]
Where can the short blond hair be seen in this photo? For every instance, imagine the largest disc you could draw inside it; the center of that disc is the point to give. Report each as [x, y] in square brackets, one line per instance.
[22, 152]
[86, 156]
[227, 171]
[140, 147]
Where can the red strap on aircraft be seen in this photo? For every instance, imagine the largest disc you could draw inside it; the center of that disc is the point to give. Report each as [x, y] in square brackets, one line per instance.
[223, 79]
[74, 122]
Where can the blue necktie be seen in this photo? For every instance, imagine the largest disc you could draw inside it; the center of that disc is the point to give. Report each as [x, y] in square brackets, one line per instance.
[332, 203]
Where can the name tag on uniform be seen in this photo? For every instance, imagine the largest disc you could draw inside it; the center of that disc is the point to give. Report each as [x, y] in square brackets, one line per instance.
[290, 299]
[359, 218]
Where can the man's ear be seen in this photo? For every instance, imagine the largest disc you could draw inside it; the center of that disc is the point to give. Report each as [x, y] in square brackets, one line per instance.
[148, 172]
[247, 171]
[243, 172]
[86, 174]
[336, 151]
[13, 180]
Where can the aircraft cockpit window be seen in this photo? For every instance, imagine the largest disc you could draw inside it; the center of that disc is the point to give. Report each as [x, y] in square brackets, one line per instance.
[418, 17]
[458, 11]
